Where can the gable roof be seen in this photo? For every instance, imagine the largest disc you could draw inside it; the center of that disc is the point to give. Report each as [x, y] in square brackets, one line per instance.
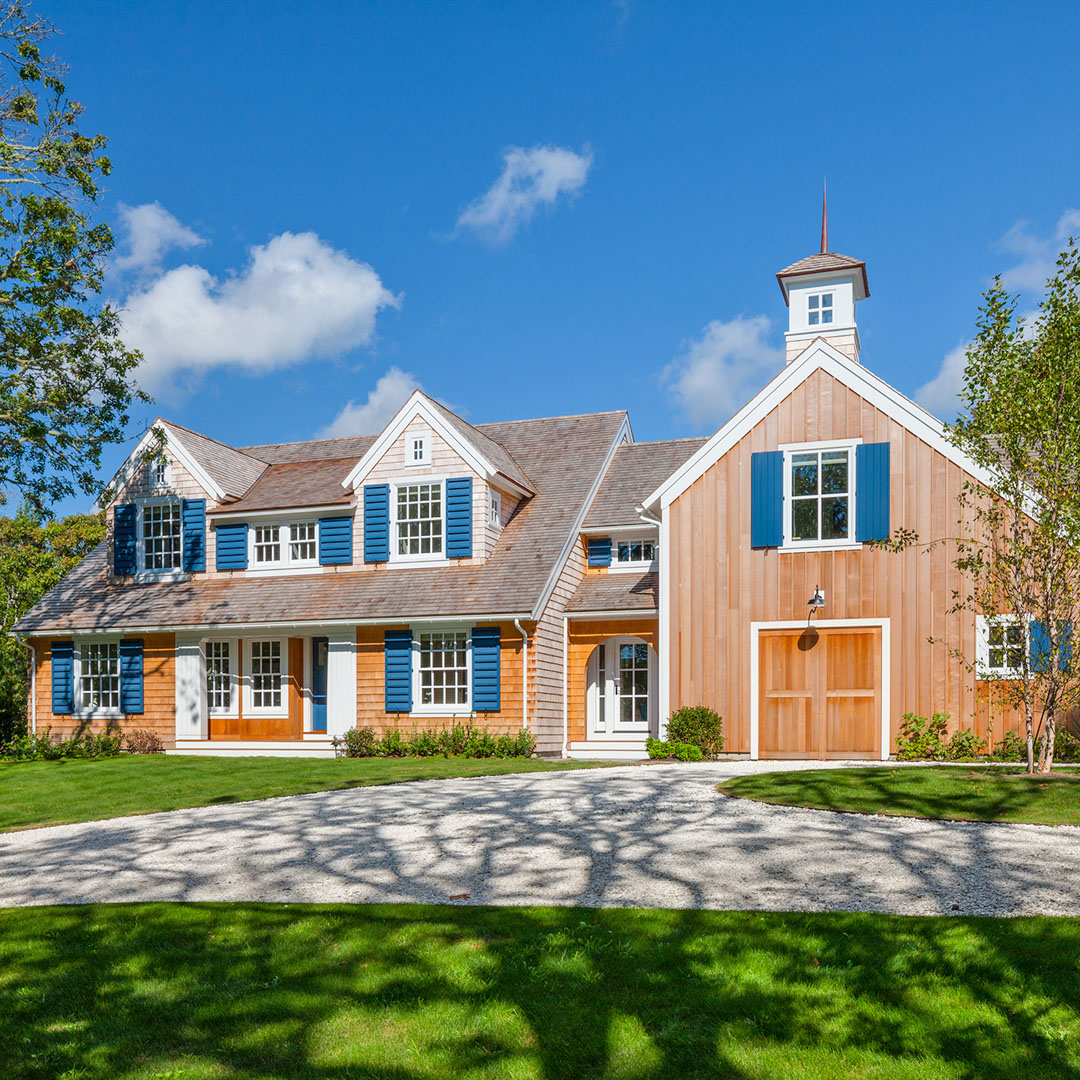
[818, 356]
[349, 446]
[295, 484]
[234, 471]
[566, 455]
[634, 473]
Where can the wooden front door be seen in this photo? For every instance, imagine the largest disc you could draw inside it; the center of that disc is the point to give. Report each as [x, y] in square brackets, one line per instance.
[820, 693]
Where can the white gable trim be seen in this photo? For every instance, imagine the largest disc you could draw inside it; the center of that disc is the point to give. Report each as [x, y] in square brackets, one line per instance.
[173, 444]
[416, 406]
[820, 356]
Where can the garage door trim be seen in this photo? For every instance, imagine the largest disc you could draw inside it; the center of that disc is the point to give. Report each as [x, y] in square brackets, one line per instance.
[839, 624]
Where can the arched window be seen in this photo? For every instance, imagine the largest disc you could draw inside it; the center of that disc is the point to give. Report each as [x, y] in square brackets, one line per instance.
[622, 687]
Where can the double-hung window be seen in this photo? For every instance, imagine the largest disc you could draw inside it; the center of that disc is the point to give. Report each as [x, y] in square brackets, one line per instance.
[442, 670]
[99, 676]
[278, 544]
[266, 676]
[419, 520]
[219, 676]
[820, 503]
[161, 532]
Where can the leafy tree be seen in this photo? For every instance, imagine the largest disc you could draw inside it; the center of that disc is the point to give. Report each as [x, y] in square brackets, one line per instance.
[34, 555]
[1018, 547]
[65, 374]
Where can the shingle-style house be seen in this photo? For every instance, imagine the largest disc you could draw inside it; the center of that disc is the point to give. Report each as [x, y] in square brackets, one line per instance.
[548, 573]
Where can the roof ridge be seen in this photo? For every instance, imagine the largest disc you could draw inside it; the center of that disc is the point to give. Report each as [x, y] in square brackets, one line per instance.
[667, 442]
[540, 419]
[306, 442]
[210, 438]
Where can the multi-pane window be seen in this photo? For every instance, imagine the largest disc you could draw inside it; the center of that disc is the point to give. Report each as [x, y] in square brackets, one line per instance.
[444, 668]
[820, 308]
[419, 519]
[418, 450]
[635, 551]
[159, 472]
[267, 544]
[820, 495]
[494, 508]
[302, 545]
[99, 676]
[161, 536]
[1005, 640]
[266, 674]
[632, 683]
[218, 676]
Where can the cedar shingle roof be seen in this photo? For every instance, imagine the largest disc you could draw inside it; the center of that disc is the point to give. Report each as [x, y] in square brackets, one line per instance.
[819, 264]
[296, 484]
[565, 454]
[636, 471]
[352, 446]
[615, 592]
[234, 471]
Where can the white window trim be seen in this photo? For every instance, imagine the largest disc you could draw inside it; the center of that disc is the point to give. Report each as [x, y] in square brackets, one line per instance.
[142, 573]
[613, 727]
[249, 695]
[831, 307]
[423, 558]
[983, 671]
[448, 711]
[161, 484]
[850, 544]
[425, 461]
[285, 562]
[495, 504]
[234, 678]
[639, 567]
[76, 668]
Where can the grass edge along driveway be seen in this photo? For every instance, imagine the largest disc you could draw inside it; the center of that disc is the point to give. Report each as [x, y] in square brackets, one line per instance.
[34, 794]
[206, 991]
[944, 792]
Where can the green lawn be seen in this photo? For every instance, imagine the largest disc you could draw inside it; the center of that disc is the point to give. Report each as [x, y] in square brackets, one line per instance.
[56, 792]
[964, 792]
[237, 992]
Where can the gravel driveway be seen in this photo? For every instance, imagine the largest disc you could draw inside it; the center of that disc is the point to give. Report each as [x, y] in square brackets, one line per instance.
[655, 836]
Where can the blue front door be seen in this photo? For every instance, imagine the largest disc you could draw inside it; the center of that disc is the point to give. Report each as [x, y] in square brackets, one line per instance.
[318, 683]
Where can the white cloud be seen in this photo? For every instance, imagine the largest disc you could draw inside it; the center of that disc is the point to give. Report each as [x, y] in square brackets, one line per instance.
[722, 369]
[1037, 254]
[530, 179]
[150, 231]
[296, 298]
[941, 394]
[387, 396]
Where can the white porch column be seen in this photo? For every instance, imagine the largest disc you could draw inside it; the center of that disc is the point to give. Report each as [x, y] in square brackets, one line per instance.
[190, 688]
[341, 682]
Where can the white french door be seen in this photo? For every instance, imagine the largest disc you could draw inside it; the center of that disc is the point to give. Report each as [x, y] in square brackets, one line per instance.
[622, 687]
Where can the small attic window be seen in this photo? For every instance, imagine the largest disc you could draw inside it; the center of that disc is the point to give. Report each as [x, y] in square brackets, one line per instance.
[820, 308]
[418, 448]
[159, 472]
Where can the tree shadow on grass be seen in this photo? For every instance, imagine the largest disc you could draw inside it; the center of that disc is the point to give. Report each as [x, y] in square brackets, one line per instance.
[409, 991]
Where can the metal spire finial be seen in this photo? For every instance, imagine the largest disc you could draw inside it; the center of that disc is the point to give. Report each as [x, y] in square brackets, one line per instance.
[824, 221]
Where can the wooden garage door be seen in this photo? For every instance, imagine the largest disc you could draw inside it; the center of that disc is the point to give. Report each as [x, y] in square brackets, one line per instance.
[820, 693]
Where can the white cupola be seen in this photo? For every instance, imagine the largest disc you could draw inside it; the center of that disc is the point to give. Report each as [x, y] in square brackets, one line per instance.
[821, 292]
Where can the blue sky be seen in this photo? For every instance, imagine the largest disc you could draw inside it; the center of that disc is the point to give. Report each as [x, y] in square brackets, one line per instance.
[330, 229]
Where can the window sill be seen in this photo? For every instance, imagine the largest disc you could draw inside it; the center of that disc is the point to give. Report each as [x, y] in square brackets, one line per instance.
[99, 714]
[821, 545]
[283, 571]
[448, 712]
[634, 568]
[144, 576]
[419, 560]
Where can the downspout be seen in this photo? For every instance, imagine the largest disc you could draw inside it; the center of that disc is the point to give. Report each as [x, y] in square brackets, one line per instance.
[32, 659]
[524, 674]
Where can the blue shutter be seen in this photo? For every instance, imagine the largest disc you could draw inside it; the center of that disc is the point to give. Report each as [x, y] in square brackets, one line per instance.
[599, 550]
[1039, 654]
[767, 499]
[485, 668]
[376, 522]
[131, 675]
[459, 517]
[193, 515]
[871, 492]
[335, 541]
[125, 559]
[232, 545]
[62, 655]
[397, 645]
[1065, 647]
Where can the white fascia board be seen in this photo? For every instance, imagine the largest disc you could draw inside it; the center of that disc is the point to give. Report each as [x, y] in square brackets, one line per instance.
[820, 356]
[284, 513]
[624, 434]
[416, 406]
[179, 451]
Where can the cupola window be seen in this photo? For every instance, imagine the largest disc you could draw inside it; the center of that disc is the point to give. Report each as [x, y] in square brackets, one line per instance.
[821, 308]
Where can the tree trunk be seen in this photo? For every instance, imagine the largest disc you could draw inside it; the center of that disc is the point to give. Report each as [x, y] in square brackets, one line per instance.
[1029, 737]
[1046, 749]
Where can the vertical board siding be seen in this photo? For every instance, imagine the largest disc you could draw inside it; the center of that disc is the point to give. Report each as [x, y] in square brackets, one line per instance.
[159, 694]
[720, 583]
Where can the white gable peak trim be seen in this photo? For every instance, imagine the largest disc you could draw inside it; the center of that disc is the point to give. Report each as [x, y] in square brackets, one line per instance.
[416, 406]
[819, 356]
[174, 446]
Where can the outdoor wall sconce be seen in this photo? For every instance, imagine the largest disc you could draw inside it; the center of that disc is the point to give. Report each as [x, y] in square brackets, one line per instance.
[816, 601]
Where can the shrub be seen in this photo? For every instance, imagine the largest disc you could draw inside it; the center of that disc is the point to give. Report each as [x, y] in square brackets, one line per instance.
[665, 750]
[44, 748]
[700, 727]
[1011, 748]
[920, 739]
[964, 745]
[460, 740]
[141, 741]
[1066, 746]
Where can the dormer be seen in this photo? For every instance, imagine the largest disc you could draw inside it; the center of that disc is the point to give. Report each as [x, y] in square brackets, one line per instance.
[821, 292]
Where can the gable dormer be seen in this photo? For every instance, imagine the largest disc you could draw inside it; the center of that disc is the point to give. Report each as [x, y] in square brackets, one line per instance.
[433, 490]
